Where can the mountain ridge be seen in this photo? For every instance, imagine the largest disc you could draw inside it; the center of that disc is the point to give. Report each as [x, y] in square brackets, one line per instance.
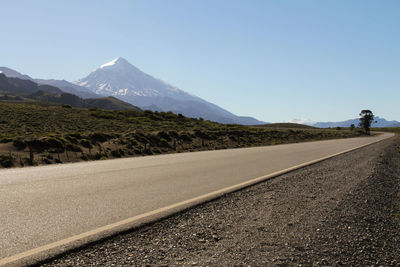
[378, 122]
[64, 85]
[16, 89]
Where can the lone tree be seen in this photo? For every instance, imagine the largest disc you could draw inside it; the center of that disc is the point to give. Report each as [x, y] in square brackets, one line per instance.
[352, 126]
[366, 119]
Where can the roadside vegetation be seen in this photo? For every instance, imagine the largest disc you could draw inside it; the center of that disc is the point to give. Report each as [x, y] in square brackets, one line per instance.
[387, 129]
[33, 134]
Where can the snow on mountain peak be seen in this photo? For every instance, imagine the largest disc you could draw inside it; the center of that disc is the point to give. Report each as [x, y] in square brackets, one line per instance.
[114, 62]
[305, 121]
[120, 78]
[119, 61]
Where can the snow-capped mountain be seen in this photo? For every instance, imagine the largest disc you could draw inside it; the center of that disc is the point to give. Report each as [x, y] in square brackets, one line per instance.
[121, 79]
[304, 121]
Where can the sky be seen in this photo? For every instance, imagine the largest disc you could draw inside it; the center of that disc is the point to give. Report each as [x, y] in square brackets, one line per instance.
[275, 60]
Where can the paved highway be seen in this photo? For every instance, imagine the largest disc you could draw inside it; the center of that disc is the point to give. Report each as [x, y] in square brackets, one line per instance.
[41, 205]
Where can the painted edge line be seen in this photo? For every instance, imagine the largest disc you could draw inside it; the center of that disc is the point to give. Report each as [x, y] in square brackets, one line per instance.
[56, 248]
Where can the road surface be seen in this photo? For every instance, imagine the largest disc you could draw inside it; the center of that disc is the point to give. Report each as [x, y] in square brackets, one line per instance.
[41, 205]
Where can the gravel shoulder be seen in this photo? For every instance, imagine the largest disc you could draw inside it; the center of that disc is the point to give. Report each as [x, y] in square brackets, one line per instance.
[342, 211]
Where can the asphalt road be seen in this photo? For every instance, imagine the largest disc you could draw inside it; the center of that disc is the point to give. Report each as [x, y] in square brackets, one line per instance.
[41, 205]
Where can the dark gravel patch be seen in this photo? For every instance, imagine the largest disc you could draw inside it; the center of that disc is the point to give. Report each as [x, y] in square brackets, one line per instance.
[342, 211]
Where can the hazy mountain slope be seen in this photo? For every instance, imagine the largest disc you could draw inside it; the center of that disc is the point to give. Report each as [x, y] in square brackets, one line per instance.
[121, 79]
[394, 125]
[380, 122]
[68, 87]
[19, 86]
[65, 86]
[29, 90]
[14, 74]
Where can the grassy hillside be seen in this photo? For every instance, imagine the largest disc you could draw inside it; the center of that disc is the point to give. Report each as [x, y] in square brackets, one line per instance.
[33, 134]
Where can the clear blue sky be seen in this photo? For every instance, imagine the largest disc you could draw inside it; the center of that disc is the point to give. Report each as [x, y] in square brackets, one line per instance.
[274, 60]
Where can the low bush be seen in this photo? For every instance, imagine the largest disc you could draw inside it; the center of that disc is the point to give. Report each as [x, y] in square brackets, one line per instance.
[7, 161]
[100, 137]
[19, 144]
[74, 148]
[86, 143]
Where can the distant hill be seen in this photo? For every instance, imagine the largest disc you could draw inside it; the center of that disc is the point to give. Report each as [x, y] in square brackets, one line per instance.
[286, 125]
[65, 86]
[15, 89]
[380, 122]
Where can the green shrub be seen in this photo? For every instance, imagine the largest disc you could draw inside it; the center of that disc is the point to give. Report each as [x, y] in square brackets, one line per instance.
[116, 153]
[164, 143]
[133, 141]
[7, 161]
[53, 142]
[154, 139]
[100, 137]
[5, 140]
[72, 139]
[186, 137]
[86, 143]
[74, 148]
[164, 135]
[103, 114]
[37, 145]
[173, 134]
[19, 144]
[47, 161]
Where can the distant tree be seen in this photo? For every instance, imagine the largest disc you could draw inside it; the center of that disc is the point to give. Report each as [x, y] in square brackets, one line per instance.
[366, 119]
[352, 126]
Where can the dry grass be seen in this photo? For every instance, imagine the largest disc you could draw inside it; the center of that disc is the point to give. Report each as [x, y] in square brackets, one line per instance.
[33, 134]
